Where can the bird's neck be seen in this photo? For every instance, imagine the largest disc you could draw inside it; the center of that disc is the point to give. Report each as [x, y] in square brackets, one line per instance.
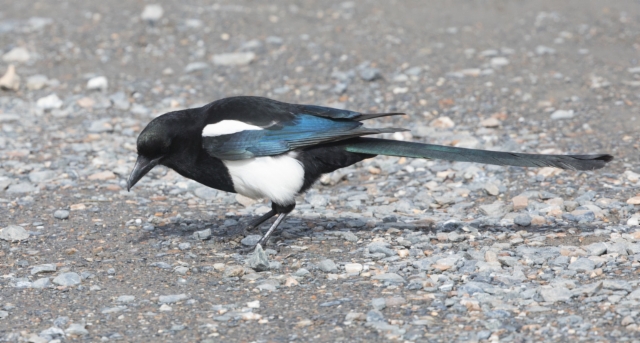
[199, 166]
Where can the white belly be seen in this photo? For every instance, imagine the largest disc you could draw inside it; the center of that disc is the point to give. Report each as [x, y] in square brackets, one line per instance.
[275, 178]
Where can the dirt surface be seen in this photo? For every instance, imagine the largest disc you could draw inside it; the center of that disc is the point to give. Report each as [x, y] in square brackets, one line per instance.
[521, 63]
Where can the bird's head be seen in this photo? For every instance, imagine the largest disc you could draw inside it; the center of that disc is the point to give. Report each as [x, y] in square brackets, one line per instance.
[156, 142]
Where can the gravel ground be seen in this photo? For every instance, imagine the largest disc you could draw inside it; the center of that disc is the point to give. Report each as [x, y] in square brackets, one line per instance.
[389, 249]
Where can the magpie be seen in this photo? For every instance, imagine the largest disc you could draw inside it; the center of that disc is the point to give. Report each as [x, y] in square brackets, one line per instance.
[263, 148]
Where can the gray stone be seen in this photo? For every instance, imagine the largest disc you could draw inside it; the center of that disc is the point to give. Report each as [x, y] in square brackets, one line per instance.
[76, 329]
[369, 74]
[173, 298]
[378, 303]
[100, 126]
[491, 189]
[43, 268]
[484, 334]
[347, 236]
[301, 272]
[161, 265]
[616, 285]
[554, 294]
[4, 314]
[116, 309]
[617, 248]
[67, 279]
[560, 261]
[588, 289]
[125, 298]
[139, 109]
[203, 234]
[582, 265]
[61, 214]
[596, 249]
[206, 193]
[251, 240]
[455, 237]
[274, 40]
[522, 219]
[184, 246]
[42, 283]
[569, 205]
[328, 266]
[375, 316]
[22, 187]
[52, 333]
[13, 233]
[267, 287]
[493, 210]
[120, 101]
[21, 282]
[275, 265]
[381, 247]
[317, 200]
[389, 277]
[259, 260]
[635, 295]
[181, 270]
[473, 287]
[41, 176]
[196, 66]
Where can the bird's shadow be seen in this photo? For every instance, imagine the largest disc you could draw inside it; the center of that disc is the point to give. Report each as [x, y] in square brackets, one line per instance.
[295, 228]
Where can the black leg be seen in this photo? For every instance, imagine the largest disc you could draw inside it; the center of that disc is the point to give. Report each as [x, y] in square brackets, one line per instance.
[265, 238]
[242, 231]
[254, 224]
[282, 212]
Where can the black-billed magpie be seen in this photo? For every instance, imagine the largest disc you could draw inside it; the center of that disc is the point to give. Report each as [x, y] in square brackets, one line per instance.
[262, 148]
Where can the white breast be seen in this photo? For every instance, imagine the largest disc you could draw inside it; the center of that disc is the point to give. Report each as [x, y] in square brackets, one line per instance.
[276, 178]
[227, 127]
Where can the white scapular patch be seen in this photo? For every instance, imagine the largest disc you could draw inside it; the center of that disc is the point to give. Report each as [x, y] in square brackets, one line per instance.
[227, 127]
[277, 178]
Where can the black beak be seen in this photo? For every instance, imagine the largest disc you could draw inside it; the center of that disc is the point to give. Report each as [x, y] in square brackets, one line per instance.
[142, 167]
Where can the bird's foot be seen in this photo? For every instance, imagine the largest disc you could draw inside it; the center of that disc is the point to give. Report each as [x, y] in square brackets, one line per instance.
[246, 250]
[263, 242]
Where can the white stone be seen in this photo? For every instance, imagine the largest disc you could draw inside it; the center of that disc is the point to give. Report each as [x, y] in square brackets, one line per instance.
[49, 102]
[152, 12]
[562, 114]
[17, 55]
[14, 233]
[353, 268]
[10, 80]
[98, 83]
[498, 62]
[233, 58]
[37, 82]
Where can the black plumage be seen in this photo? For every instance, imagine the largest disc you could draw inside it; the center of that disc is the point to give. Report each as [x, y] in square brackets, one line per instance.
[265, 148]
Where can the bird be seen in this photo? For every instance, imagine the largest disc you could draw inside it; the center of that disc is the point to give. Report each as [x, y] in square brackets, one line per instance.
[268, 149]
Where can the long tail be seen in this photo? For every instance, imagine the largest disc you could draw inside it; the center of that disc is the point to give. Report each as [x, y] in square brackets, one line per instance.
[375, 146]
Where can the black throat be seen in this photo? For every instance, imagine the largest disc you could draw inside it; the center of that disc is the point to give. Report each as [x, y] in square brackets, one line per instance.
[190, 160]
